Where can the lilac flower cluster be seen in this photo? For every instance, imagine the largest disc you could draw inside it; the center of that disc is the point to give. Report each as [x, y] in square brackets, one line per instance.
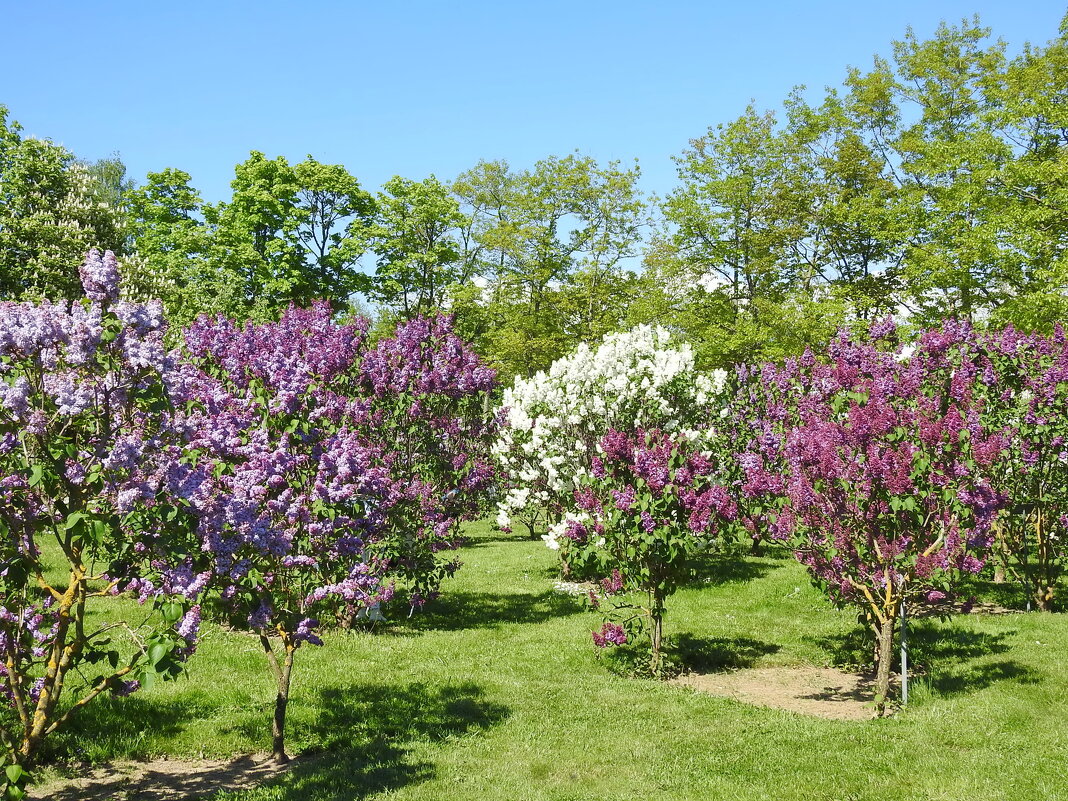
[610, 634]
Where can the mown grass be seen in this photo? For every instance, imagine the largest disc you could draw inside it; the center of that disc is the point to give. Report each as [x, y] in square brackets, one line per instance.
[496, 693]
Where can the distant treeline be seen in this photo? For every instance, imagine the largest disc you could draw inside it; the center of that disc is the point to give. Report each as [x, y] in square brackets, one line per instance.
[932, 185]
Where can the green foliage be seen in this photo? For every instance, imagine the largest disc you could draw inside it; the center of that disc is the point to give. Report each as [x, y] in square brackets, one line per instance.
[51, 213]
[548, 248]
[415, 235]
[931, 185]
[288, 234]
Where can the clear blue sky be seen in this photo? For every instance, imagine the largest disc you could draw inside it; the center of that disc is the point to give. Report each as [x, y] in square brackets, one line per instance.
[414, 88]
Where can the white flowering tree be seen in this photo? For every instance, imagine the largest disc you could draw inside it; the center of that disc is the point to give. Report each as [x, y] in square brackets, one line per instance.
[555, 420]
[51, 212]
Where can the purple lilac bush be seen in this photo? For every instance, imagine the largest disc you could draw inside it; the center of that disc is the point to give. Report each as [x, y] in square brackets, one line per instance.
[332, 475]
[1028, 401]
[89, 453]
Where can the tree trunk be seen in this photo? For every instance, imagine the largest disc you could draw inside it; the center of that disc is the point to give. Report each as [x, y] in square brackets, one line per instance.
[656, 634]
[885, 648]
[999, 574]
[1044, 597]
[278, 725]
[1045, 576]
[282, 674]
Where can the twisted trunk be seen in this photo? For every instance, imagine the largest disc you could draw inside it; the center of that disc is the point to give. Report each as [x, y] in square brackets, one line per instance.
[884, 650]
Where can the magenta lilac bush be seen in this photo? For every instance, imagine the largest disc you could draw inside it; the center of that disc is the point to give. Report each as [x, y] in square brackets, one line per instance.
[875, 467]
[650, 505]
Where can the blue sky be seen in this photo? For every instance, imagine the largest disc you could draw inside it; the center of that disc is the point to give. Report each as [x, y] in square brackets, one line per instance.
[414, 88]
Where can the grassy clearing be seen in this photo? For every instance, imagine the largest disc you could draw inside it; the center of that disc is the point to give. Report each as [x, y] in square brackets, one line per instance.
[497, 694]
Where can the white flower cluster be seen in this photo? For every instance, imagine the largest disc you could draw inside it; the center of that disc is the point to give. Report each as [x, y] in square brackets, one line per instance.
[555, 420]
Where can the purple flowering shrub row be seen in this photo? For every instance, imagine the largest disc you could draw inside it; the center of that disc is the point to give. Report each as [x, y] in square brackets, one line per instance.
[288, 475]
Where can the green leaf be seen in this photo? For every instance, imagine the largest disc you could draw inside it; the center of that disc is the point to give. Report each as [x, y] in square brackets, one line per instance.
[172, 611]
[156, 652]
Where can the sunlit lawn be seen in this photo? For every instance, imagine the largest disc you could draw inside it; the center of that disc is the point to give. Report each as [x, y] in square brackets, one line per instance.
[496, 693]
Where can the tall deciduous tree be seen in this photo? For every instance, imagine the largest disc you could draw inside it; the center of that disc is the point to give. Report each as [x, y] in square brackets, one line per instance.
[416, 234]
[547, 245]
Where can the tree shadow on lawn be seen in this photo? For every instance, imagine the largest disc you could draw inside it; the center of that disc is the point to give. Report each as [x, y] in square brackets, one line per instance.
[116, 725]
[948, 655]
[1008, 594]
[719, 570]
[715, 654]
[456, 611]
[496, 538]
[366, 735]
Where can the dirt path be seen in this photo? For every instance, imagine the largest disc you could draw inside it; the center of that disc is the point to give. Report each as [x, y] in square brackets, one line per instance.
[161, 780]
[823, 692]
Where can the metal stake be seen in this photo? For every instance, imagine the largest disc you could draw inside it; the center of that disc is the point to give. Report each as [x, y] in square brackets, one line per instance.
[904, 657]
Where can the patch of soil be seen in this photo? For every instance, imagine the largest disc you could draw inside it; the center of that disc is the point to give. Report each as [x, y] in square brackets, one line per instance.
[823, 692]
[162, 779]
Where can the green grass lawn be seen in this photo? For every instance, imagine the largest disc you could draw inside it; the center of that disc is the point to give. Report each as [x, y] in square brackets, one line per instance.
[496, 693]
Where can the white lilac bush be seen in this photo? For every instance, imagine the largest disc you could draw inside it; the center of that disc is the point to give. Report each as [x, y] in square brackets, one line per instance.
[554, 421]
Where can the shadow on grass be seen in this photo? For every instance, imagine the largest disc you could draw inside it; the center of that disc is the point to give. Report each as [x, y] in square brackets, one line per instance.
[116, 726]
[949, 655]
[166, 780]
[1008, 594]
[719, 570]
[456, 611]
[367, 733]
[497, 537]
[712, 654]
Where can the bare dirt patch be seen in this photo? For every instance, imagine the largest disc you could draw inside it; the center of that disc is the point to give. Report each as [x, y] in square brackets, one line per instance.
[162, 780]
[823, 692]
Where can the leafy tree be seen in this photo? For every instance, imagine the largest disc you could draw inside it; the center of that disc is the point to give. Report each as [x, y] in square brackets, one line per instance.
[288, 234]
[415, 235]
[50, 216]
[173, 244]
[742, 266]
[548, 245]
